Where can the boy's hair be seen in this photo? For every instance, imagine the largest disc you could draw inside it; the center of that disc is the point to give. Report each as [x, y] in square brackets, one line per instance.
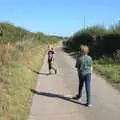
[81, 47]
[50, 47]
[84, 48]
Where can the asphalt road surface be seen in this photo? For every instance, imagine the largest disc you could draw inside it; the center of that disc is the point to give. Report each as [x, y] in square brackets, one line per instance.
[51, 100]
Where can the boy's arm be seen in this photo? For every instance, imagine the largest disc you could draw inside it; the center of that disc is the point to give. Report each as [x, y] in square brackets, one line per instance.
[91, 69]
[90, 64]
[76, 65]
[53, 52]
[77, 62]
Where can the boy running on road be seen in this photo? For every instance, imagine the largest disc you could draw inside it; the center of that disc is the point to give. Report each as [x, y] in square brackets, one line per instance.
[50, 60]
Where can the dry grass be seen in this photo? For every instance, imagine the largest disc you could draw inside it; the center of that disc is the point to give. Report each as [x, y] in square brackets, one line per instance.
[16, 80]
[19, 50]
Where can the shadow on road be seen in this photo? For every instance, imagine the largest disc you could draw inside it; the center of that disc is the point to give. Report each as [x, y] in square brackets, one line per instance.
[52, 95]
[38, 72]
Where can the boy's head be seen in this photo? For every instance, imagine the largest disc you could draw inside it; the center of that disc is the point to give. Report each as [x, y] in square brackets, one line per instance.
[84, 49]
[50, 47]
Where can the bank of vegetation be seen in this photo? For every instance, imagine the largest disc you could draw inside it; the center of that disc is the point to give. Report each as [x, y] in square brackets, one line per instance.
[21, 53]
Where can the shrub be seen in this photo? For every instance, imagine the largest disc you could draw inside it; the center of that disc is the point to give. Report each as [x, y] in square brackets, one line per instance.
[117, 56]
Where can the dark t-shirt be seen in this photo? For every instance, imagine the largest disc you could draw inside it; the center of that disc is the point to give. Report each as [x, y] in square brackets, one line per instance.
[50, 55]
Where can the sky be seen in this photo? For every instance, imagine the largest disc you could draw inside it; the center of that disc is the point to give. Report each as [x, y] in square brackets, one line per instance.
[59, 17]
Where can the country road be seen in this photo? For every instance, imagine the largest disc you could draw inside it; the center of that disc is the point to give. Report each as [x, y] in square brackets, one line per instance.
[51, 96]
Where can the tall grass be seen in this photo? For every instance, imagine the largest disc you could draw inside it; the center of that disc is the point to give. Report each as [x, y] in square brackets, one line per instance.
[111, 72]
[16, 77]
[16, 80]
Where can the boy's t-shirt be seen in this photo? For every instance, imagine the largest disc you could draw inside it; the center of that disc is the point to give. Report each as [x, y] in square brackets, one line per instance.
[84, 64]
[50, 55]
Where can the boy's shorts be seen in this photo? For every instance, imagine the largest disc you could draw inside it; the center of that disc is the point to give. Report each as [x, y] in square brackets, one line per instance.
[49, 64]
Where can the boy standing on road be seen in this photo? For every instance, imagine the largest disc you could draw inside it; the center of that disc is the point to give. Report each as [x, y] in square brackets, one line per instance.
[84, 66]
[50, 60]
[79, 73]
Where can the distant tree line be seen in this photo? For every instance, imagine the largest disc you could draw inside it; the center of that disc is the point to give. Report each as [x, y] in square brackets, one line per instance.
[101, 41]
[11, 34]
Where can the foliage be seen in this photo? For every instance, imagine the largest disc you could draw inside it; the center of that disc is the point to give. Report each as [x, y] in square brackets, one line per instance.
[16, 79]
[21, 53]
[111, 72]
[11, 34]
[101, 41]
[117, 56]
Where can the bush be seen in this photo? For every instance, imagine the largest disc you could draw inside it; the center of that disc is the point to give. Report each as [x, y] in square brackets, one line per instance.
[101, 41]
[117, 56]
[105, 60]
[19, 51]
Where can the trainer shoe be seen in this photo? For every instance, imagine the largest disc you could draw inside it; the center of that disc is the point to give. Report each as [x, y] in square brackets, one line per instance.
[55, 71]
[89, 105]
[79, 100]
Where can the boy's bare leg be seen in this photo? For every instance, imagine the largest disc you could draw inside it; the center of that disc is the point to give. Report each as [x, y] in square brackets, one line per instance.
[55, 70]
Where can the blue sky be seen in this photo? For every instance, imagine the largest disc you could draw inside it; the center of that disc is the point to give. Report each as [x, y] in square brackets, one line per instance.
[62, 17]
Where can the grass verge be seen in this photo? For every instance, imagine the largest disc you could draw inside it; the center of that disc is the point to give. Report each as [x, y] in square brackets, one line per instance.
[16, 81]
[110, 72]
